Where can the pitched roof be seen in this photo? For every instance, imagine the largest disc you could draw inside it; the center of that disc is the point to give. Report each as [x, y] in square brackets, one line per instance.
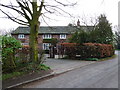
[51, 30]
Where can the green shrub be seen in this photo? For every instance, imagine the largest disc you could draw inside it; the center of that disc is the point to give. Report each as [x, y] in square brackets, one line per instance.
[80, 36]
[9, 47]
[92, 59]
[43, 67]
[10, 75]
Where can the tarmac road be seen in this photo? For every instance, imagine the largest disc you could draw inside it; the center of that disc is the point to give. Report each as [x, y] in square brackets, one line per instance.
[102, 74]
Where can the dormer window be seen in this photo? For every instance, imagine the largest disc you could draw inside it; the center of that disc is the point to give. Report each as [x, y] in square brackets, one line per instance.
[62, 36]
[21, 36]
[47, 36]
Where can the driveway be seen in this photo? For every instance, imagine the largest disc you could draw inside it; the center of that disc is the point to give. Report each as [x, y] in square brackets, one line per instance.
[62, 65]
[102, 74]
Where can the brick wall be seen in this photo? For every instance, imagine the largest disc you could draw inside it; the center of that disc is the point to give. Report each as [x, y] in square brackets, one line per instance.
[40, 38]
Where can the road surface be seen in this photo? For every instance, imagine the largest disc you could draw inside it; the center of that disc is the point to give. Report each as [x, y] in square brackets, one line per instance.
[102, 74]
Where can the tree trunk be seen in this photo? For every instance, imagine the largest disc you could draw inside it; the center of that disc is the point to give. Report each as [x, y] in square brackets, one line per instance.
[34, 26]
[33, 42]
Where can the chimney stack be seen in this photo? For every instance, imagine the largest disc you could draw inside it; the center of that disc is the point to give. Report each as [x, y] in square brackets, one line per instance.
[78, 23]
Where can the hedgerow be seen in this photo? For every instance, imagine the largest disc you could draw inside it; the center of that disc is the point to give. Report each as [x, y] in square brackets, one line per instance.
[88, 50]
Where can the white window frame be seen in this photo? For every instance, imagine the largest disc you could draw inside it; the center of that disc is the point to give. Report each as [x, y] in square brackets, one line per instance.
[46, 46]
[21, 36]
[62, 36]
[47, 36]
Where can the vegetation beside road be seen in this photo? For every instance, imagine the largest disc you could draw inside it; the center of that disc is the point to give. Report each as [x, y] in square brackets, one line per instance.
[91, 59]
[11, 75]
[108, 58]
[118, 49]
[24, 70]
[87, 50]
[93, 44]
[15, 63]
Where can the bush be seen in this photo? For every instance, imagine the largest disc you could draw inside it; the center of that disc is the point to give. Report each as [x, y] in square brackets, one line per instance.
[92, 59]
[87, 50]
[23, 55]
[9, 47]
[80, 36]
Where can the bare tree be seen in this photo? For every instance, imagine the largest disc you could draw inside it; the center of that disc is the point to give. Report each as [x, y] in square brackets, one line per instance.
[88, 21]
[31, 11]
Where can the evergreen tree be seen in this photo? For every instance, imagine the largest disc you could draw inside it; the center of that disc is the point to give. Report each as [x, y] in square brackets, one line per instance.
[80, 36]
[104, 30]
[117, 39]
[101, 34]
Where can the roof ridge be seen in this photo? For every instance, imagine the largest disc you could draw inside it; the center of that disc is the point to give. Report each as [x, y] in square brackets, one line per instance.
[46, 26]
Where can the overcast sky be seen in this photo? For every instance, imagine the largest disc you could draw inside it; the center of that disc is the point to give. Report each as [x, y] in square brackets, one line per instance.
[84, 10]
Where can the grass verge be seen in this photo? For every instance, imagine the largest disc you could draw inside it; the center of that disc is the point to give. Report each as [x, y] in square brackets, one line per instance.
[91, 59]
[118, 49]
[108, 58]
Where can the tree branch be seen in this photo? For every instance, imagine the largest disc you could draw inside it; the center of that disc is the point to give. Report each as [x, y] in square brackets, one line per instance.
[48, 10]
[15, 19]
[41, 6]
[73, 4]
[10, 7]
[23, 8]
[55, 9]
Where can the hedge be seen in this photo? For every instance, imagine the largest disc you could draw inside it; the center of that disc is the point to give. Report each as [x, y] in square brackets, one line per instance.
[87, 50]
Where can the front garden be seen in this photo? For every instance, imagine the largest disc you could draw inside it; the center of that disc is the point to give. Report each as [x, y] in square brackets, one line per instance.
[16, 62]
[84, 45]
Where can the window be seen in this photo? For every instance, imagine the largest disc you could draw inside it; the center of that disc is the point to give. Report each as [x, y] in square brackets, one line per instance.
[63, 36]
[47, 36]
[21, 36]
[24, 44]
[46, 46]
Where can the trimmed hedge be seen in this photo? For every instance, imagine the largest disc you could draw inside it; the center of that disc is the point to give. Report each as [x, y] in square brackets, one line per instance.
[88, 50]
